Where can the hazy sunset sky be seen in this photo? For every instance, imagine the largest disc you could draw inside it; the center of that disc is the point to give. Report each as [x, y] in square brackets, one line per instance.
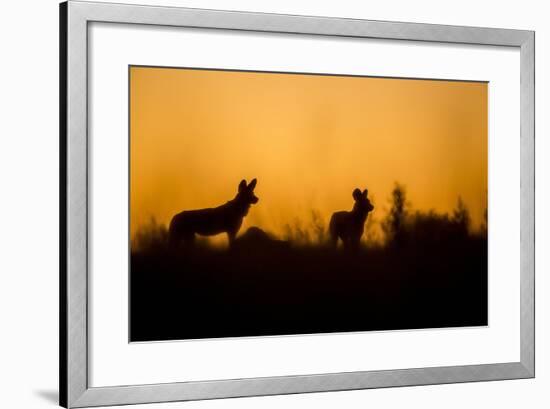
[308, 139]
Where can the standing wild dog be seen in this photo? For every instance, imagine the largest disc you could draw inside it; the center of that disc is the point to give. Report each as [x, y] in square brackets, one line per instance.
[226, 218]
[349, 226]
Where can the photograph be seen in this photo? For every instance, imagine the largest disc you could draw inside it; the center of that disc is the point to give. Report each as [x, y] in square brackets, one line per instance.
[289, 203]
[275, 204]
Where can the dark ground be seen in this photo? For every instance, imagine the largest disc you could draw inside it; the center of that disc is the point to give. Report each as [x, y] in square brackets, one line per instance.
[260, 290]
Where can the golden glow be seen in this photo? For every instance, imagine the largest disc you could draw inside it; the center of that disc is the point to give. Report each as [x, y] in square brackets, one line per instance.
[308, 139]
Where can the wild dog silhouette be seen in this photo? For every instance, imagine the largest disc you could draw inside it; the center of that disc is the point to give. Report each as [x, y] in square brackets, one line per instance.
[349, 226]
[226, 218]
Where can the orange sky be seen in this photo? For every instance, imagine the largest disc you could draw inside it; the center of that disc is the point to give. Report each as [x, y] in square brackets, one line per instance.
[308, 139]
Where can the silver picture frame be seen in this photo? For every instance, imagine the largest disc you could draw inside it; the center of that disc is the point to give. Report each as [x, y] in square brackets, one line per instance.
[75, 390]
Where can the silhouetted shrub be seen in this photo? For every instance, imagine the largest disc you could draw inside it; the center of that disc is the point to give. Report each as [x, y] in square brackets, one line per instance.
[312, 232]
[461, 217]
[403, 227]
[150, 237]
[432, 229]
[394, 223]
[484, 224]
[431, 271]
[318, 226]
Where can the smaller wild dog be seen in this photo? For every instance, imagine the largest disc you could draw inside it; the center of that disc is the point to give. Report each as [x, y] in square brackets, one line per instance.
[226, 218]
[349, 226]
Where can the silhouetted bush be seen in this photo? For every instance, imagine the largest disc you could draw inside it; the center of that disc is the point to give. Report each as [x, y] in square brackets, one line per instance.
[312, 232]
[150, 237]
[429, 271]
[394, 223]
[403, 227]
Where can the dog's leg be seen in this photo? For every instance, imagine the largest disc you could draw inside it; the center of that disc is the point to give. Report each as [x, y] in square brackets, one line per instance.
[354, 244]
[173, 241]
[231, 238]
[333, 233]
[188, 239]
[333, 240]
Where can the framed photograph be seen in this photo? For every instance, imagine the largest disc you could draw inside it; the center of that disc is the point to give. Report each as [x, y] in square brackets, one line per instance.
[258, 204]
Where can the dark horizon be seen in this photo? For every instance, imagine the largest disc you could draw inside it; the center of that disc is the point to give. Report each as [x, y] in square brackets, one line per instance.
[429, 272]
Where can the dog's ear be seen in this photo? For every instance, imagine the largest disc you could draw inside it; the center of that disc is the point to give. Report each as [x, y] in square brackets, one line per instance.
[356, 194]
[252, 184]
[242, 185]
[365, 192]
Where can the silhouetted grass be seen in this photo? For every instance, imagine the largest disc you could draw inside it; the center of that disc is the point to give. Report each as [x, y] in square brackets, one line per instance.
[434, 275]
[429, 271]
